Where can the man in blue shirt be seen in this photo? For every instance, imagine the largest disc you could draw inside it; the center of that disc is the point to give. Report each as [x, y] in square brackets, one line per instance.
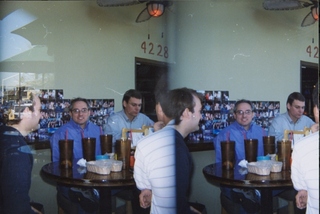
[129, 117]
[242, 128]
[293, 119]
[77, 127]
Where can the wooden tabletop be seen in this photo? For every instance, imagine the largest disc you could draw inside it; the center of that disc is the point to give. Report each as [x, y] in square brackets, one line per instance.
[78, 176]
[240, 178]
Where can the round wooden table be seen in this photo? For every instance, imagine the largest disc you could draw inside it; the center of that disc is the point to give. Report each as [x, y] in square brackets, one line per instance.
[241, 179]
[78, 176]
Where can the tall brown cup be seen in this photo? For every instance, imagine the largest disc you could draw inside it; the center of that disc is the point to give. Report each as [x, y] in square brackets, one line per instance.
[66, 153]
[269, 145]
[106, 143]
[251, 149]
[284, 153]
[122, 149]
[89, 148]
[228, 154]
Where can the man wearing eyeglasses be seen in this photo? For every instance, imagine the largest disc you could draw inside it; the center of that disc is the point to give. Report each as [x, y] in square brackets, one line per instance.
[79, 126]
[129, 117]
[242, 128]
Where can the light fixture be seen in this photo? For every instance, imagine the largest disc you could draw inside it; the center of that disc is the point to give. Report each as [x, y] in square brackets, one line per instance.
[315, 13]
[155, 9]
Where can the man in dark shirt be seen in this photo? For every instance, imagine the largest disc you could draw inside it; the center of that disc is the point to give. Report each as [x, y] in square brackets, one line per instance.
[16, 160]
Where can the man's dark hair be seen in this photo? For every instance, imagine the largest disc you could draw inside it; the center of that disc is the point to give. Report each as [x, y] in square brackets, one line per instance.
[160, 96]
[131, 93]
[242, 101]
[295, 96]
[76, 100]
[315, 95]
[177, 101]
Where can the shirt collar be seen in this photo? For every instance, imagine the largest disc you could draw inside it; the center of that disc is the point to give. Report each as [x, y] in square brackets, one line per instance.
[123, 113]
[241, 128]
[289, 118]
[74, 124]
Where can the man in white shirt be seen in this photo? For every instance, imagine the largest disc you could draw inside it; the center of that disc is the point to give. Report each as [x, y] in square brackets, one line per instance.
[305, 166]
[163, 163]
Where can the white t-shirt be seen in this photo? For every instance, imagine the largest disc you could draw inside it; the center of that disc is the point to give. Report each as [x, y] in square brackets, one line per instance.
[305, 169]
[154, 169]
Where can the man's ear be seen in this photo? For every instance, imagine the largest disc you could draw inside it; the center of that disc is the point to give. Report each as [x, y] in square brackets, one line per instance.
[26, 113]
[160, 109]
[187, 113]
[288, 106]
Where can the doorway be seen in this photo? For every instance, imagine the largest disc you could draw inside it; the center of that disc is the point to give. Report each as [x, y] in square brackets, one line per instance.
[309, 76]
[150, 76]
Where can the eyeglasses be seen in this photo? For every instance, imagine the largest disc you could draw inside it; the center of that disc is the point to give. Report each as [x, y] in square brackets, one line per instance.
[246, 112]
[77, 111]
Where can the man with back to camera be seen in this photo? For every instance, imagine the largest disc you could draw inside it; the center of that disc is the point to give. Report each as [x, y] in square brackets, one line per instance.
[129, 117]
[142, 199]
[164, 155]
[293, 119]
[16, 160]
[242, 128]
[78, 126]
[305, 165]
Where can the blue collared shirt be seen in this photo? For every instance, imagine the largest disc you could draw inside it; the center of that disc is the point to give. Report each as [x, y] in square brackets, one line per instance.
[284, 122]
[75, 133]
[119, 120]
[237, 133]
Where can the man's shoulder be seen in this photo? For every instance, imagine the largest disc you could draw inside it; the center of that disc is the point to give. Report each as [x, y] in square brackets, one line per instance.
[308, 147]
[228, 128]
[62, 128]
[4, 128]
[145, 117]
[306, 118]
[311, 139]
[165, 132]
[142, 115]
[116, 116]
[93, 125]
[280, 118]
[256, 127]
